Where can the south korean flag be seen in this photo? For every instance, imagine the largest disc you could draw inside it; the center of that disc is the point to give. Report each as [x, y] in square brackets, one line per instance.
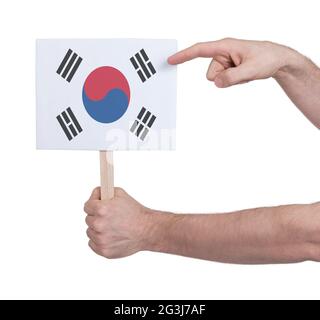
[105, 94]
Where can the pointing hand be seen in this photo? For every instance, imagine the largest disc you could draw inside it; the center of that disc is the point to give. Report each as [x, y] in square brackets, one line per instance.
[237, 61]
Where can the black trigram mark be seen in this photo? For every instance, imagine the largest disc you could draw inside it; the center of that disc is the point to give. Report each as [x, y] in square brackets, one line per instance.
[143, 123]
[69, 65]
[143, 65]
[69, 124]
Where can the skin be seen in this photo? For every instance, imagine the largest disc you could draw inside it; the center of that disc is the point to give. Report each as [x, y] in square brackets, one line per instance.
[285, 234]
[239, 61]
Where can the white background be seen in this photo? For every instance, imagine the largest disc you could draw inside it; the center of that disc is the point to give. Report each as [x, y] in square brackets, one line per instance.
[236, 148]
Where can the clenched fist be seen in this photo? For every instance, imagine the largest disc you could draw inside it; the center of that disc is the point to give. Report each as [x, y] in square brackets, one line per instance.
[119, 227]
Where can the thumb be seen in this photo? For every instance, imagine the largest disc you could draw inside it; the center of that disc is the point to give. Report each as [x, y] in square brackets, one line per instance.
[233, 76]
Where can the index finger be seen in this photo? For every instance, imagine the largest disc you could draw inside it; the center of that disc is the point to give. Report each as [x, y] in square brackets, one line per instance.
[198, 50]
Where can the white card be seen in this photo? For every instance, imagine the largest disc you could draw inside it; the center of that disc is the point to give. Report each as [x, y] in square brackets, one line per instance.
[105, 94]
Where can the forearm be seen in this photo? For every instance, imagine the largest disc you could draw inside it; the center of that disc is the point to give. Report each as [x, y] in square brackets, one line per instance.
[300, 79]
[266, 235]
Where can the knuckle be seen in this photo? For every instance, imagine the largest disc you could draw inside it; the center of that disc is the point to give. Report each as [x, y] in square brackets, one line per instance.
[96, 189]
[97, 225]
[101, 210]
[87, 220]
[104, 208]
[119, 191]
[86, 206]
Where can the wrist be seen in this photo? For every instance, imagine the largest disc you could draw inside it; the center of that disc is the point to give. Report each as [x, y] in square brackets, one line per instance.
[301, 224]
[158, 230]
[293, 64]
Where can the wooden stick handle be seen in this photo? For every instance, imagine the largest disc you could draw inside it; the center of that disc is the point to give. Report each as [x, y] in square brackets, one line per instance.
[106, 175]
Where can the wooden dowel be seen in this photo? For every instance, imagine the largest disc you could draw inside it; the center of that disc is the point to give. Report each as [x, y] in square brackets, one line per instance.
[106, 175]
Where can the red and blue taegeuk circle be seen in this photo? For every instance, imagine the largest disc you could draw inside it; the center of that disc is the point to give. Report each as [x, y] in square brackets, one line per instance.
[106, 94]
